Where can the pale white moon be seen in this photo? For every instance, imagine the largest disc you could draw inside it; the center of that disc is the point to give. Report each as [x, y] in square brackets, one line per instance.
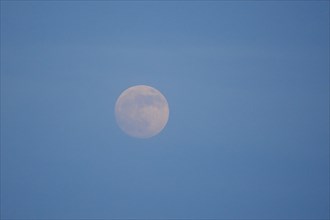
[141, 111]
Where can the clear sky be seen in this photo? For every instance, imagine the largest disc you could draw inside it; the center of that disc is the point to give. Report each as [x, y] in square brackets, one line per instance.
[247, 83]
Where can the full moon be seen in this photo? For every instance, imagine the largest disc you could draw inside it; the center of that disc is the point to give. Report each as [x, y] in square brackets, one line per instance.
[141, 111]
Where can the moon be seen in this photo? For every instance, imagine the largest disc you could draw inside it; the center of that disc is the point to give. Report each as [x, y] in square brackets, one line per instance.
[141, 111]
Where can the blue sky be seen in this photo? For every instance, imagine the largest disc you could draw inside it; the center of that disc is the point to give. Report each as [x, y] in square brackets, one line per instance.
[247, 83]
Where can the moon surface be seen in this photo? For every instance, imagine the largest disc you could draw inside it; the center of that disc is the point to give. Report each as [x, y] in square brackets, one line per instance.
[141, 111]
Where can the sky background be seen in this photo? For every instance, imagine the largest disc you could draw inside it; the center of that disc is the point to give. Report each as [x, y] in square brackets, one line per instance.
[247, 83]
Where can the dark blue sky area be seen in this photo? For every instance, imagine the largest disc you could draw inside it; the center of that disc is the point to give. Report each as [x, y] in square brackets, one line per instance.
[247, 83]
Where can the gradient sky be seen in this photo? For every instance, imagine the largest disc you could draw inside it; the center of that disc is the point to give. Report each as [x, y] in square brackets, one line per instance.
[248, 88]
